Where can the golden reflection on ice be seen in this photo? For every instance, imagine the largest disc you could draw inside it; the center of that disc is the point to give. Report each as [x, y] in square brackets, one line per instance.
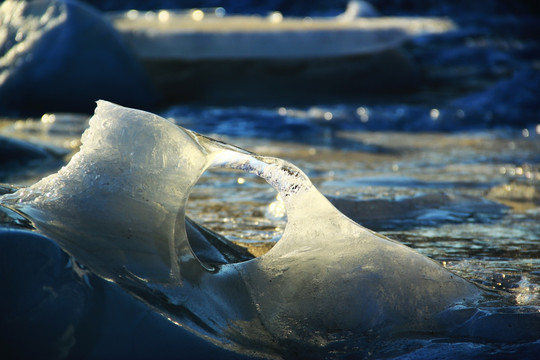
[132, 14]
[275, 17]
[220, 12]
[149, 15]
[328, 116]
[434, 114]
[362, 114]
[48, 119]
[276, 209]
[163, 16]
[197, 15]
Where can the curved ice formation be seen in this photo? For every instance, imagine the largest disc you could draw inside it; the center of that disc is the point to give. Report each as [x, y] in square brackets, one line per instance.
[118, 208]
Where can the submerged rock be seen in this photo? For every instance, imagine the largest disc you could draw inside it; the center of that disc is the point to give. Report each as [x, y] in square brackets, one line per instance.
[13, 151]
[62, 56]
[421, 210]
[54, 309]
[22, 158]
[44, 301]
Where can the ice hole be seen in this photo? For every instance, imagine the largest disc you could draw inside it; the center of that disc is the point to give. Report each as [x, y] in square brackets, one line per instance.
[240, 206]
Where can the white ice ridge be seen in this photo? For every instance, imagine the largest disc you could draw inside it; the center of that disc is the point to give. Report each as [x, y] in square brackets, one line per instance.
[118, 207]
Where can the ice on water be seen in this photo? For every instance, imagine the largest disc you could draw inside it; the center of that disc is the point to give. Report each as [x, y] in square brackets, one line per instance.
[119, 208]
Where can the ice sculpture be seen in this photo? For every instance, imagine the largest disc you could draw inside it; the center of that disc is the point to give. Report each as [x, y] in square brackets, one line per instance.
[118, 208]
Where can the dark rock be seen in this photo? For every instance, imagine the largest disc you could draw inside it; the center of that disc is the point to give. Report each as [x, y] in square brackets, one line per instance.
[17, 151]
[43, 299]
[20, 159]
[52, 308]
[63, 56]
